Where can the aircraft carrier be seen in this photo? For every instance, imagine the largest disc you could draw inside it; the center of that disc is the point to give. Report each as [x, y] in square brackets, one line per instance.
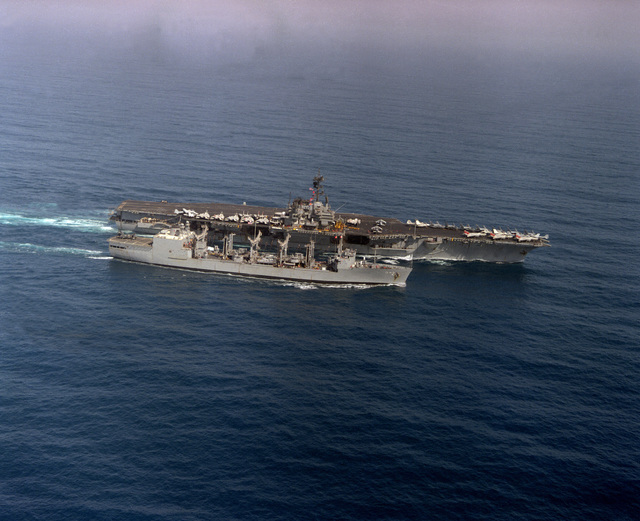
[312, 219]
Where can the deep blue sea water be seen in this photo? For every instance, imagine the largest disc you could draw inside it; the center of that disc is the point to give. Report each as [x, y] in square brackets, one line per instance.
[479, 391]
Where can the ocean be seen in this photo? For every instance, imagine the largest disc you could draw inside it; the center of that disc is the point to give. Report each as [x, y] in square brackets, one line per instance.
[478, 391]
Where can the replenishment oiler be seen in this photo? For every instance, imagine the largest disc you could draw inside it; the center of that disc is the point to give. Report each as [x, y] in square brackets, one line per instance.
[181, 247]
[304, 220]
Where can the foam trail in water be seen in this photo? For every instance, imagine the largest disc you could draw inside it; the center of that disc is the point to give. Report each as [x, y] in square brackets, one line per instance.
[438, 262]
[26, 247]
[82, 225]
[311, 285]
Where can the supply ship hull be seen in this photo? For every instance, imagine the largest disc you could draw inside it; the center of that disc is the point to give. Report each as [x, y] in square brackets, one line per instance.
[304, 219]
[178, 247]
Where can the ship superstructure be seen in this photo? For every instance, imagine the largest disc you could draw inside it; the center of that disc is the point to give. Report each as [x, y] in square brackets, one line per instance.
[313, 218]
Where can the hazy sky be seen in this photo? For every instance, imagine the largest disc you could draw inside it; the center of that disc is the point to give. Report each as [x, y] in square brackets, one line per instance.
[242, 26]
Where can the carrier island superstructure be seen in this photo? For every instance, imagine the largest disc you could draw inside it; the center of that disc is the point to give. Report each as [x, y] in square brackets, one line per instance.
[313, 219]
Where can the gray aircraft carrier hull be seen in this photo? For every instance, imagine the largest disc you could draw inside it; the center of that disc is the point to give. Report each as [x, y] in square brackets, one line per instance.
[395, 240]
